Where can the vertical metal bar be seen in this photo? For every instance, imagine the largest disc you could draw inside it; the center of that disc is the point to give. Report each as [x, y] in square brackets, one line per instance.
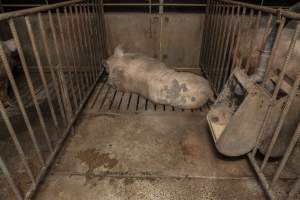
[228, 67]
[94, 30]
[77, 49]
[50, 63]
[88, 26]
[249, 24]
[290, 99]
[40, 69]
[220, 39]
[85, 35]
[212, 38]
[253, 40]
[72, 48]
[65, 94]
[229, 31]
[68, 64]
[20, 103]
[29, 82]
[287, 153]
[10, 180]
[82, 61]
[204, 36]
[16, 142]
[100, 39]
[208, 37]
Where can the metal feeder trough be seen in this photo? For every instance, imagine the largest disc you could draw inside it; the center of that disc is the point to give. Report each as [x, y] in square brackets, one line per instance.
[237, 116]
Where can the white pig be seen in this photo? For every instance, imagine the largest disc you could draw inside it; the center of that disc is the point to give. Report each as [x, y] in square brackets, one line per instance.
[152, 79]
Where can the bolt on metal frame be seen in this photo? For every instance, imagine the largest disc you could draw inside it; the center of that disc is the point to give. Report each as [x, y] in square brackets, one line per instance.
[75, 67]
[223, 39]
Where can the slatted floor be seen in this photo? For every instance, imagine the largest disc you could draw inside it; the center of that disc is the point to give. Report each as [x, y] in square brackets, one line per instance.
[108, 99]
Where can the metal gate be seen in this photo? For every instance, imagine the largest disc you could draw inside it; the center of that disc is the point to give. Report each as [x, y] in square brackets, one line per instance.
[60, 48]
[257, 38]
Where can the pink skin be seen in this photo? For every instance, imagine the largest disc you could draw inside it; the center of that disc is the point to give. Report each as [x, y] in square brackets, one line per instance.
[154, 80]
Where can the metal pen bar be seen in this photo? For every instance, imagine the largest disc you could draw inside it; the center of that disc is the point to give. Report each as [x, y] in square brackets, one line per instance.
[238, 37]
[292, 94]
[228, 66]
[29, 82]
[77, 50]
[9, 179]
[71, 47]
[98, 37]
[17, 144]
[60, 27]
[50, 63]
[20, 103]
[93, 33]
[221, 41]
[217, 40]
[287, 153]
[81, 43]
[90, 43]
[100, 40]
[41, 70]
[253, 40]
[208, 41]
[204, 36]
[29, 11]
[226, 35]
[269, 109]
[213, 33]
[85, 35]
[43, 172]
[63, 85]
[261, 177]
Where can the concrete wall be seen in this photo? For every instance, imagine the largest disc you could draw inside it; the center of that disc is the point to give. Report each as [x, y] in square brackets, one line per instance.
[174, 37]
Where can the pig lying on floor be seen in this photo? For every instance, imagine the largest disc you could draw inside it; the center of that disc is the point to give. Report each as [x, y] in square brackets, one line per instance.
[155, 81]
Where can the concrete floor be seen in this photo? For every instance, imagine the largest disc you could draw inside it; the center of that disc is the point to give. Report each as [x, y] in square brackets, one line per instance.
[148, 155]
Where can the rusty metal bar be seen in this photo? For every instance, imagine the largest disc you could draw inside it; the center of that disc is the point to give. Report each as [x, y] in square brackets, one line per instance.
[213, 33]
[19, 148]
[20, 103]
[85, 35]
[10, 180]
[261, 177]
[52, 72]
[253, 40]
[290, 99]
[29, 11]
[72, 48]
[63, 85]
[287, 153]
[90, 44]
[29, 82]
[77, 49]
[92, 37]
[74, 96]
[222, 59]
[80, 37]
[217, 43]
[98, 34]
[204, 36]
[40, 69]
[238, 39]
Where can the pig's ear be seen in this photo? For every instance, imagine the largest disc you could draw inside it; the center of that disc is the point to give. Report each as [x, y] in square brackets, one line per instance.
[118, 51]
